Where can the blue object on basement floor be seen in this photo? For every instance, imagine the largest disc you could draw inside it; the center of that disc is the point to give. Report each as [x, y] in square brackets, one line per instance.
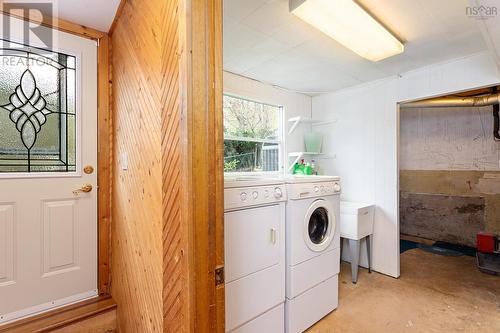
[466, 250]
[405, 245]
[441, 248]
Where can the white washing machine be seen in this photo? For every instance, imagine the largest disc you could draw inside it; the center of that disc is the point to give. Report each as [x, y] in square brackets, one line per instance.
[312, 250]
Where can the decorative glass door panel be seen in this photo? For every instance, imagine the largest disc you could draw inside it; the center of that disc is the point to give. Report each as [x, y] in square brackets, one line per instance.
[37, 110]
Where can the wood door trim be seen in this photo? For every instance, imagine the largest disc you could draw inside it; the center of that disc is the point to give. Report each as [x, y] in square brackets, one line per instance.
[104, 130]
[219, 155]
[50, 22]
[104, 164]
[119, 12]
[202, 160]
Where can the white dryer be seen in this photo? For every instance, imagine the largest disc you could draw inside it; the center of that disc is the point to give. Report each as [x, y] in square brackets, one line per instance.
[254, 240]
[312, 250]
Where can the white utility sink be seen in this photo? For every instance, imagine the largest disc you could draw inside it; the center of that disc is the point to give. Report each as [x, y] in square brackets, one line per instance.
[356, 225]
[356, 219]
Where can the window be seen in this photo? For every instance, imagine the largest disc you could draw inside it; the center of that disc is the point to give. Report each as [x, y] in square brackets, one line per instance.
[252, 136]
[37, 110]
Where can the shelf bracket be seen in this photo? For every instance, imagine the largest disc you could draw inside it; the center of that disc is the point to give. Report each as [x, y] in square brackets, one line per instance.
[297, 159]
[296, 121]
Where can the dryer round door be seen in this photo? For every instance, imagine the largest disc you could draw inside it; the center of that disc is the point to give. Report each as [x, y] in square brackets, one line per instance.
[319, 226]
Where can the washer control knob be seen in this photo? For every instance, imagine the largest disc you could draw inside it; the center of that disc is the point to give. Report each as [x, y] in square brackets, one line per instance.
[243, 196]
[336, 187]
[316, 189]
[255, 194]
[278, 193]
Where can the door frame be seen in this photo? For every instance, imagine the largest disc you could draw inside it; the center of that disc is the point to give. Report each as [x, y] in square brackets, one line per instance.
[104, 130]
[201, 90]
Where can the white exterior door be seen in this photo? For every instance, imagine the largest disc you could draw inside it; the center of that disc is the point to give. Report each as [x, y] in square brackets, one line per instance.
[48, 135]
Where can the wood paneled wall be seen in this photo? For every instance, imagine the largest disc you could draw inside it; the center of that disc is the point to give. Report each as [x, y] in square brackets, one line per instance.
[137, 88]
[168, 205]
[175, 241]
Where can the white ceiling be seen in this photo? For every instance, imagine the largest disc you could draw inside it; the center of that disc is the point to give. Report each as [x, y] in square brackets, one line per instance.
[263, 41]
[97, 14]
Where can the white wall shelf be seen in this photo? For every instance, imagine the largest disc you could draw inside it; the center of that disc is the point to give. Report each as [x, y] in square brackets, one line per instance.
[298, 120]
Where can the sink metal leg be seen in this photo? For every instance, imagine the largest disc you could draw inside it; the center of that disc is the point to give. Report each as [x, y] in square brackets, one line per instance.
[369, 253]
[354, 252]
[341, 247]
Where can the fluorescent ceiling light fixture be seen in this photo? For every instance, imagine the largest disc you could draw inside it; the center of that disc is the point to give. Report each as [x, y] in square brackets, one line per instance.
[350, 25]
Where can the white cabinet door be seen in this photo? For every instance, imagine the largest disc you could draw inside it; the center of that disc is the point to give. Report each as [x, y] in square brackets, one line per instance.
[48, 134]
[252, 240]
[254, 264]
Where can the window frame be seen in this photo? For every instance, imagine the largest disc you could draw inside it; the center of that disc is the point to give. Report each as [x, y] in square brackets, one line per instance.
[280, 142]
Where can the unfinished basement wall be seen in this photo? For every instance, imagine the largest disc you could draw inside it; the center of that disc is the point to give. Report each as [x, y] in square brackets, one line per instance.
[449, 174]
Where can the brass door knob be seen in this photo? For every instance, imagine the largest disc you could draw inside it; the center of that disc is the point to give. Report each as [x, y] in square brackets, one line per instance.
[85, 189]
[89, 169]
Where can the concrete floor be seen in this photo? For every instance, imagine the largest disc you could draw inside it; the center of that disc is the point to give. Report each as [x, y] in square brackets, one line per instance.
[433, 294]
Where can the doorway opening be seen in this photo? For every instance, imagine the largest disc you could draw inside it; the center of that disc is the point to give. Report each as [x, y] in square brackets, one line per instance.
[449, 188]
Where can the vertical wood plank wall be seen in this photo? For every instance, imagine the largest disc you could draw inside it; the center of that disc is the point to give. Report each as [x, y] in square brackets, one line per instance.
[137, 251]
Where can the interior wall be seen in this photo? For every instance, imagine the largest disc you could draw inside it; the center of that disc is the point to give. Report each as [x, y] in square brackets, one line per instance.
[366, 134]
[145, 89]
[294, 104]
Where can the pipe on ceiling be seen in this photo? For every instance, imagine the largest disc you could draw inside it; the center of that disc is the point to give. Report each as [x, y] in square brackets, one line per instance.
[442, 102]
[485, 100]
